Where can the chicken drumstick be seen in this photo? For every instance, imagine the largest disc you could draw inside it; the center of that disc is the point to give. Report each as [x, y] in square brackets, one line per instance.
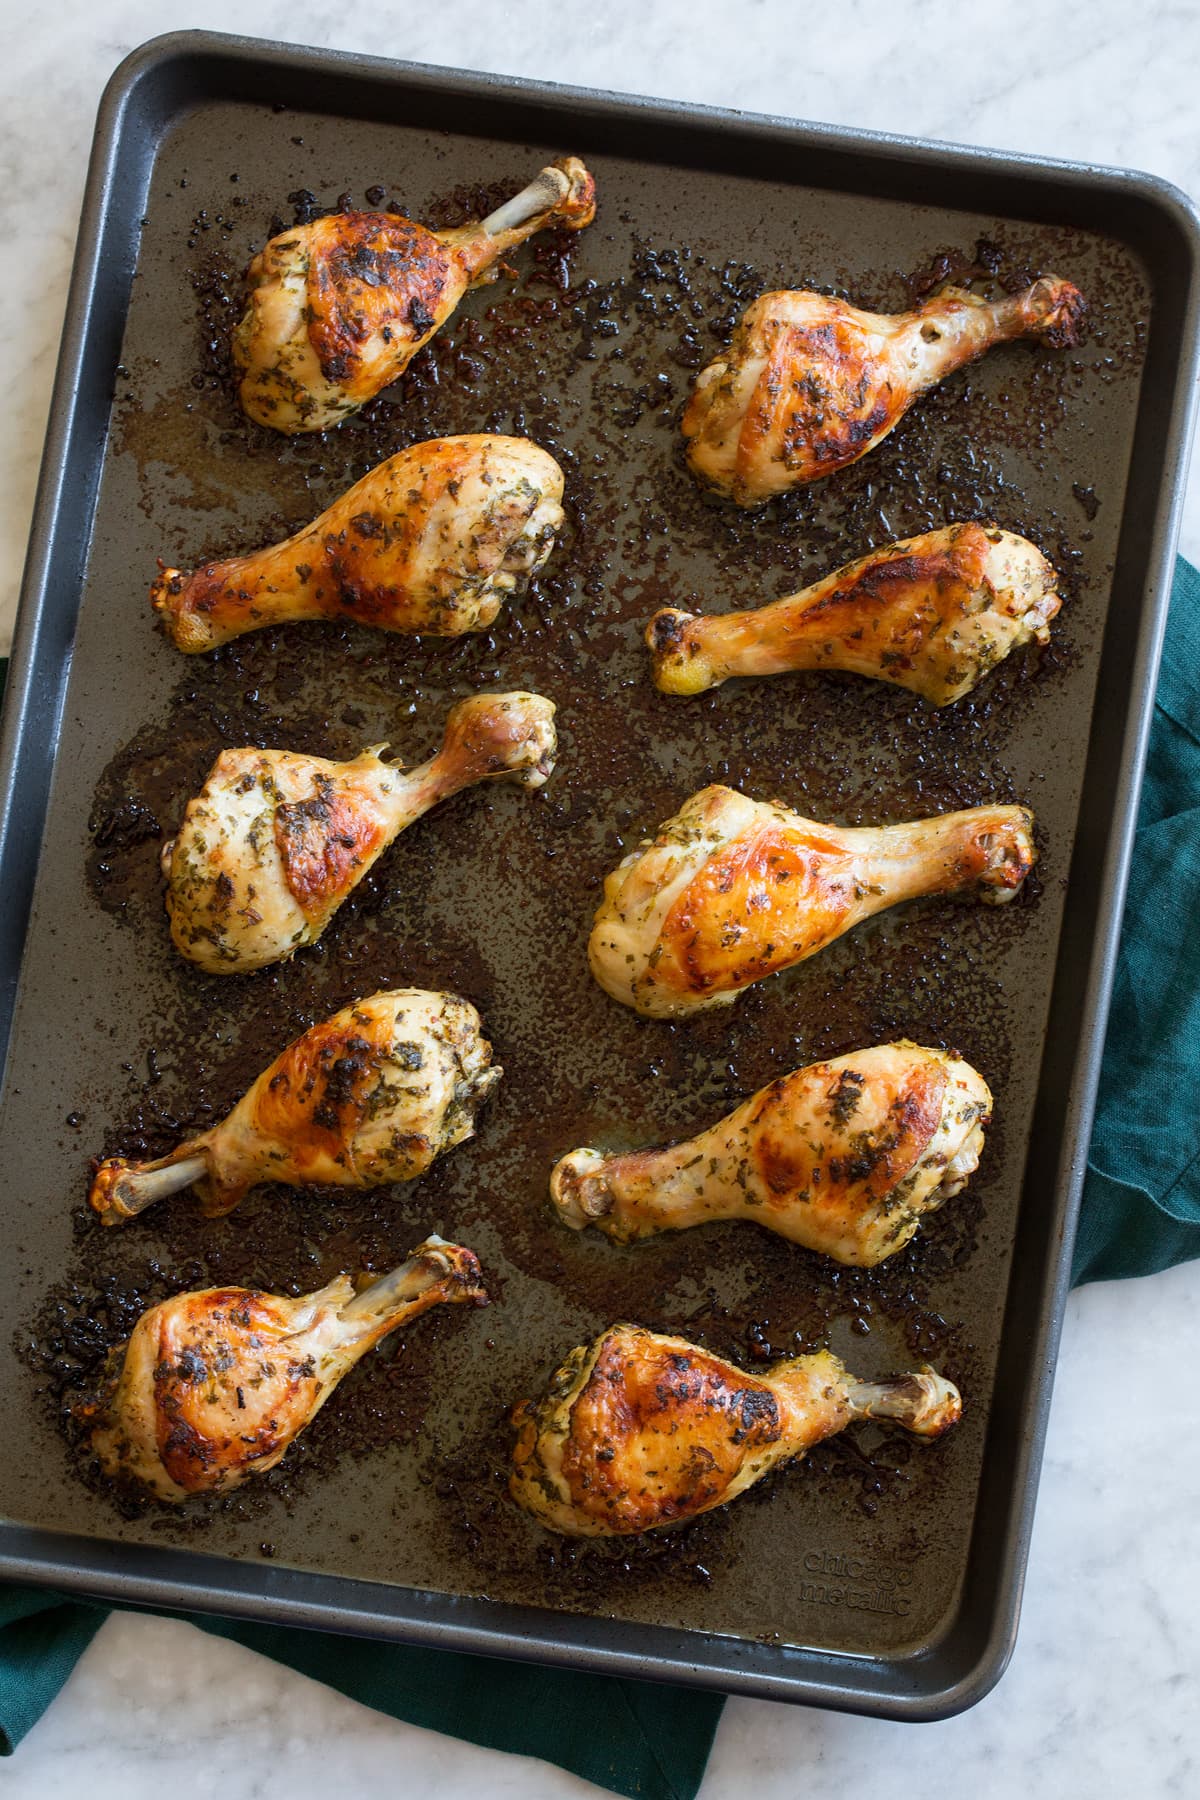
[339, 308]
[810, 384]
[434, 540]
[844, 1157]
[639, 1430]
[932, 613]
[275, 842]
[734, 889]
[214, 1386]
[373, 1095]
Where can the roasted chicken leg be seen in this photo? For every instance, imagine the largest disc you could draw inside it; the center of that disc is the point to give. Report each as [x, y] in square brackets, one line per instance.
[339, 308]
[371, 1096]
[432, 540]
[810, 384]
[214, 1386]
[844, 1157]
[639, 1430]
[274, 842]
[734, 889]
[933, 613]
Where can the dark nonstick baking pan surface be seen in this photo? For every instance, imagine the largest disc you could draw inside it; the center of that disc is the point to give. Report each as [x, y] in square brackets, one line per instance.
[880, 1574]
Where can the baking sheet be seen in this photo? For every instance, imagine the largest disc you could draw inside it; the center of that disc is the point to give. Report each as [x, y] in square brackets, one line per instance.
[871, 1550]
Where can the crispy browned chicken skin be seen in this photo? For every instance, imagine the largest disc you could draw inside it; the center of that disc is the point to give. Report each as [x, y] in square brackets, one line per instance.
[845, 1157]
[932, 613]
[275, 841]
[434, 540]
[733, 889]
[373, 1095]
[639, 1430]
[338, 308]
[214, 1386]
[810, 384]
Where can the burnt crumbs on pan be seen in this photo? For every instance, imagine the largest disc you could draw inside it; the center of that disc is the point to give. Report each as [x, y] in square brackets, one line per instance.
[590, 351]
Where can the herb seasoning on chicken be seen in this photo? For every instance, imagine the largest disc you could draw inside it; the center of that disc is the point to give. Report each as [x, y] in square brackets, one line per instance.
[274, 842]
[932, 613]
[810, 384]
[639, 1430]
[432, 540]
[215, 1386]
[734, 889]
[338, 308]
[844, 1157]
[373, 1095]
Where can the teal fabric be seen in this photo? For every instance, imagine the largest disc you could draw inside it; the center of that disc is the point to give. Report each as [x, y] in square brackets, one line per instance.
[42, 1637]
[1141, 1199]
[1141, 1212]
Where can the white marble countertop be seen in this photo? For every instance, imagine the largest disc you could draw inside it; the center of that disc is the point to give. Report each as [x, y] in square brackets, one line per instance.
[1101, 1696]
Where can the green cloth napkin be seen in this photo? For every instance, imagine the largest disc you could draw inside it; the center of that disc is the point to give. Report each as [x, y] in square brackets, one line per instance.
[1141, 1199]
[1141, 1212]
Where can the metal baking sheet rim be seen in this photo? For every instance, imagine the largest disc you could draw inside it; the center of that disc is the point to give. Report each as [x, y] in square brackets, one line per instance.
[956, 1670]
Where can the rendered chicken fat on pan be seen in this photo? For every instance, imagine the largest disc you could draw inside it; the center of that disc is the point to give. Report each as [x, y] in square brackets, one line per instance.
[733, 890]
[844, 1157]
[275, 842]
[214, 1386]
[371, 1096]
[810, 384]
[339, 307]
[933, 613]
[639, 1430]
[432, 540]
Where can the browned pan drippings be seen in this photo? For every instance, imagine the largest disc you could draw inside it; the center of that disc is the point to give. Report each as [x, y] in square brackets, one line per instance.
[590, 351]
